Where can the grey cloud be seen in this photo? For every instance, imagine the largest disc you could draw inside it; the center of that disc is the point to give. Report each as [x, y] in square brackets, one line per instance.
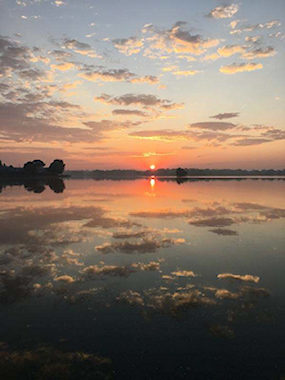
[274, 134]
[108, 270]
[128, 235]
[42, 225]
[76, 45]
[116, 75]
[179, 302]
[214, 125]
[61, 55]
[250, 141]
[13, 56]
[147, 245]
[128, 46]
[129, 112]
[41, 121]
[213, 222]
[142, 100]
[178, 39]
[226, 115]
[131, 298]
[105, 222]
[224, 232]
[259, 53]
[33, 74]
[245, 206]
[194, 212]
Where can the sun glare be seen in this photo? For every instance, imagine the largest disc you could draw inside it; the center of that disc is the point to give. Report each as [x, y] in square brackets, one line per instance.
[152, 167]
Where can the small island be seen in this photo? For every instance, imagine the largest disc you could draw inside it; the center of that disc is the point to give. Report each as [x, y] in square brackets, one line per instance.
[34, 176]
[34, 168]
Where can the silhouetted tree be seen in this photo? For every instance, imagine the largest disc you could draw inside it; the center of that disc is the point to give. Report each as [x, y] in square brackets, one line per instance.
[57, 185]
[38, 164]
[29, 168]
[56, 167]
[181, 172]
[33, 167]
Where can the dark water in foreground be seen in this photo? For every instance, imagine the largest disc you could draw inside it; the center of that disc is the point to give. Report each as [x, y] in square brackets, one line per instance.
[143, 279]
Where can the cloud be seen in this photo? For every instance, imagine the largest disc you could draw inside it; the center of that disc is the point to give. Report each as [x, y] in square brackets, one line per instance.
[63, 66]
[166, 135]
[185, 73]
[61, 55]
[128, 46]
[213, 222]
[128, 235]
[108, 270]
[210, 57]
[112, 75]
[70, 86]
[179, 302]
[252, 293]
[150, 79]
[169, 135]
[251, 28]
[65, 278]
[229, 50]
[178, 39]
[250, 141]
[233, 24]
[79, 47]
[126, 112]
[224, 232]
[226, 294]
[131, 298]
[259, 53]
[230, 276]
[109, 222]
[253, 39]
[214, 125]
[16, 363]
[141, 100]
[148, 267]
[183, 273]
[42, 120]
[274, 134]
[117, 75]
[146, 245]
[188, 213]
[226, 115]
[59, 3]
[14, 57]
[240, 67]
[226, 11]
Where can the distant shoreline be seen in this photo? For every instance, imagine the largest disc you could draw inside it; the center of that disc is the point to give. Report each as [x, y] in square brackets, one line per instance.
[172, 173]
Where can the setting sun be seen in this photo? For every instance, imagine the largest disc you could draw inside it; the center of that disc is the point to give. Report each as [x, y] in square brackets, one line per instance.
[152, 167]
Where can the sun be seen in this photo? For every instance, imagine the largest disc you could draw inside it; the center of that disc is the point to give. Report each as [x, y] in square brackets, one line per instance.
[152, 167]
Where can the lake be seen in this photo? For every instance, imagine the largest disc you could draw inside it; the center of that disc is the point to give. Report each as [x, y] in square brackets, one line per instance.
[143, 279]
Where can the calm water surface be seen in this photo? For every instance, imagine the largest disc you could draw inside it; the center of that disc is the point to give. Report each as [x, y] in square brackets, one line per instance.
[143, 279]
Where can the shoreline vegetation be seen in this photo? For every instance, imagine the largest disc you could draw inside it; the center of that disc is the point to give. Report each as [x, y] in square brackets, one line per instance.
[36, 170]
[173, 173]
[34, 176]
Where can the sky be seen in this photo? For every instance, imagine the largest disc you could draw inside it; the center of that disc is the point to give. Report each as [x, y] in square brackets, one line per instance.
[129, 84]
